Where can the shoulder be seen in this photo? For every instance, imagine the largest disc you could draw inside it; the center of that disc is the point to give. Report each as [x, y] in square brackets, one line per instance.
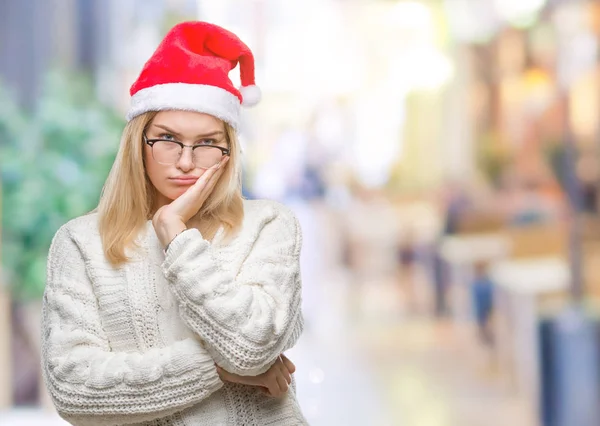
[264, 211]
[253, 207]
[265, 216]
[81, 229]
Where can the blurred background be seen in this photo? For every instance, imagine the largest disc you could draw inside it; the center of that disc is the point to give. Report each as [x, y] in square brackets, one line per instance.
[442, 157]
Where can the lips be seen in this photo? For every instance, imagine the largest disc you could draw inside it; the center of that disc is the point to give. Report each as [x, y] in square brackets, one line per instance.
[184, 180]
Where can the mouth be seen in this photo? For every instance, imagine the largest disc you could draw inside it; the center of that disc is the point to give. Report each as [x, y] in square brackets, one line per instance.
[184, 180]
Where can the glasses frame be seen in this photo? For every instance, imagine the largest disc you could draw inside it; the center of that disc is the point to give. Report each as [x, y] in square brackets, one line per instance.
[151, 142]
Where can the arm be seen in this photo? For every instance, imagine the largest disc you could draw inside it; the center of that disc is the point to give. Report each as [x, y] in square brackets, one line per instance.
[247, 317]
[90, 384]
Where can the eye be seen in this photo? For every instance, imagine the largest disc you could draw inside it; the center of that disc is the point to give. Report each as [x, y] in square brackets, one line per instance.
[167, 136]
[207, 142]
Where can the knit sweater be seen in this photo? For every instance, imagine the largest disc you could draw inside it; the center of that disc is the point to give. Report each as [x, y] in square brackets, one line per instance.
[137, 344]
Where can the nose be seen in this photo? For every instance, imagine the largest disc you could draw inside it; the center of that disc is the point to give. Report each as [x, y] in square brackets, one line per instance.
[186, 160]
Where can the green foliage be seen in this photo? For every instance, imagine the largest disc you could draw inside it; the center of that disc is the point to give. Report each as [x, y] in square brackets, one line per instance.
[53, 163]
[492, 156]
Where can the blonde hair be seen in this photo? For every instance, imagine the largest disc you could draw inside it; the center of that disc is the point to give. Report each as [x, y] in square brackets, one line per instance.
[128, 197]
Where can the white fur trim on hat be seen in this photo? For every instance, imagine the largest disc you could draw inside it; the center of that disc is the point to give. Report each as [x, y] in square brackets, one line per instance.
[251, 95]
[187, 97]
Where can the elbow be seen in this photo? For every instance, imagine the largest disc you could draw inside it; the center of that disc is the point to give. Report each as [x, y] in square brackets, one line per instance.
[80, 420]
[82, 412]
[246, 367]
[68, 406]
[246, 359]
[80, 409]
[256, 361]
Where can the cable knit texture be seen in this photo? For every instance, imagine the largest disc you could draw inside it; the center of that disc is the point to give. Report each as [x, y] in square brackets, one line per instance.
[137, 344]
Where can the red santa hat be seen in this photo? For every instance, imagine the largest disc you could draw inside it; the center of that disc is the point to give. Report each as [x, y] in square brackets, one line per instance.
[189, 71]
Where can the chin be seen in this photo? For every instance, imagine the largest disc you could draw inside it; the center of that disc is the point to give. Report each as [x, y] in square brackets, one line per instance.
[176, 193]
[170, 194]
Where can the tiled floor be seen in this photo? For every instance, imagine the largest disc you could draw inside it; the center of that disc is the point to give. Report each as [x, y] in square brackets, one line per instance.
[383, 367]
[433, 379]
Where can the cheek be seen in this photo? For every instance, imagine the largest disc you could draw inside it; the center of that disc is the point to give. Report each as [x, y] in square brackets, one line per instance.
[158, 175]
[152, 168]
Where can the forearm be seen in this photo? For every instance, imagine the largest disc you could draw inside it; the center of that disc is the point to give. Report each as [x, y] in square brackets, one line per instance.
[98, 387]
[90, 383]
[249, 317]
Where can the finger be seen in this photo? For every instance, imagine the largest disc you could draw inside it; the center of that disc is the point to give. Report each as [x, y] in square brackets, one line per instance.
[291, 367]
[283, 372]
[197, 192]
[212, 182]
[211, 176]
[273, 387]
[283, 385]
[224, 375]
[286, 375]
[288, 364]
[193, 194]
[224, 161]
[205, 178]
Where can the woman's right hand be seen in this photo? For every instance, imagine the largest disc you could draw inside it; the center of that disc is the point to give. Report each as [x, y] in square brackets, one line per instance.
[274, 382]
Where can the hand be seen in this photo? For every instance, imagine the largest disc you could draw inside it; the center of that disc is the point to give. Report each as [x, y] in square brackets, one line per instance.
[171, 219]
[274, 382]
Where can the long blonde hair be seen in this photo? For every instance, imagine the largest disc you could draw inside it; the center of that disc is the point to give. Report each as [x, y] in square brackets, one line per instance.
[128, 197]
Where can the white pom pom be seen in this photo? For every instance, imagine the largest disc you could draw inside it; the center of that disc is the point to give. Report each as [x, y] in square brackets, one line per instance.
[251, 95]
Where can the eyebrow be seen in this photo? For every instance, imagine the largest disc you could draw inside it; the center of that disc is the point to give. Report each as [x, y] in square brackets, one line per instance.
[202, 135]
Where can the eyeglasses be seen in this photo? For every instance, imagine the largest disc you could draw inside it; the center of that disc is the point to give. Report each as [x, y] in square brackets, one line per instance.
[169, 151]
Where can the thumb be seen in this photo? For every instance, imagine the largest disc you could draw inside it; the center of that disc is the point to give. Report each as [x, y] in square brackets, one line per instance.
[288, 364]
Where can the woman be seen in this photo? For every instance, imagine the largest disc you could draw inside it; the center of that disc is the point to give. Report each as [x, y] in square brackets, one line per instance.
[173, 302]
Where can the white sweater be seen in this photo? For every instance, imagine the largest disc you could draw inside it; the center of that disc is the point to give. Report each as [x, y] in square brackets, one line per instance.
[137, 344]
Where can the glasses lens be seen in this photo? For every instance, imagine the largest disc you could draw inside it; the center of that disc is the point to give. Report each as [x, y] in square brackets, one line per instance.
[166, 152]
[207, 156]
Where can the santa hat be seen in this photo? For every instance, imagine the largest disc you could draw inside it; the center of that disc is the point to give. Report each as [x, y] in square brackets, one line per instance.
[189, 71]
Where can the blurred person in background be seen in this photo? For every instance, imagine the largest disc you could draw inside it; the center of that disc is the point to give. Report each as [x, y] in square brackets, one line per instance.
[174, 300]
[455, 203]
[482, 296]
[408, 253]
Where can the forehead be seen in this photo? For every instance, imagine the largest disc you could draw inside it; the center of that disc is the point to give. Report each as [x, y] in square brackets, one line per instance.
[188, 121]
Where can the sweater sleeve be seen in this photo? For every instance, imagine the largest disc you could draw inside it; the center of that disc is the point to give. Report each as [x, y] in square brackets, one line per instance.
[248, 315]
[88, 382]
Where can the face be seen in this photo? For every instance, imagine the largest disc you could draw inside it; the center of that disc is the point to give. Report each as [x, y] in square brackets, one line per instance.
[172, 173]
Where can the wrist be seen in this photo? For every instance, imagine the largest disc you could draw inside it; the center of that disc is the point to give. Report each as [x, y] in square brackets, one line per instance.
[168, 232]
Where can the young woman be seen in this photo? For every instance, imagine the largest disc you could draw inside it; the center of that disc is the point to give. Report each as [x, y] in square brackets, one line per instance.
[172, 303]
